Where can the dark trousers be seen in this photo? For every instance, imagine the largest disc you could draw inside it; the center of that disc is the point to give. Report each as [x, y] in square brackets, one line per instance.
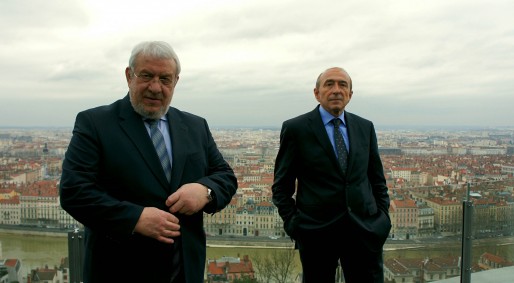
[321, 250]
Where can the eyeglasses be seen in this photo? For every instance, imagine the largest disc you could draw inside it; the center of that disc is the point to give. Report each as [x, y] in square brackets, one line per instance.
[147, 77]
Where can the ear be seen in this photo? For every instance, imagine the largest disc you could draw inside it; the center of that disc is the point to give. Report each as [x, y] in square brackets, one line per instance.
[127, 75]
[316, 93]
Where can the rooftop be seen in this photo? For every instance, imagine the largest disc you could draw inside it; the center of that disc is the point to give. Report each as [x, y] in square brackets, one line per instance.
[500, 275]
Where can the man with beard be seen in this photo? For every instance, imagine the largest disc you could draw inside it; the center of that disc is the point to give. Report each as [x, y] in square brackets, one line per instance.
[139, 174]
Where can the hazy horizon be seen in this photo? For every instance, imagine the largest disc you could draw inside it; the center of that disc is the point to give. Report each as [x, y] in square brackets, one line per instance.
[378, 127]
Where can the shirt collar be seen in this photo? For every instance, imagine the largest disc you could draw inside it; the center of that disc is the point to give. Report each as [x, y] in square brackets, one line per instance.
[327, 117]
[163, 118]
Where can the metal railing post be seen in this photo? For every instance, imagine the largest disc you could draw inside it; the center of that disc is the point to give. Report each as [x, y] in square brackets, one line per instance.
[76, 255]
[467, 217]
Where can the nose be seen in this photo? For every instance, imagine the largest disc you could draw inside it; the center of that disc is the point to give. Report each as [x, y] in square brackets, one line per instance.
[155, 85]
[337, 89]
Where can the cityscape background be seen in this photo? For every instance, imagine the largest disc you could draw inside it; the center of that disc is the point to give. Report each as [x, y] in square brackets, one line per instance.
[428, 173]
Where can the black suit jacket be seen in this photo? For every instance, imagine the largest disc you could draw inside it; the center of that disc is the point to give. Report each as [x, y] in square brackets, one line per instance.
[306, 164]
[111, 171]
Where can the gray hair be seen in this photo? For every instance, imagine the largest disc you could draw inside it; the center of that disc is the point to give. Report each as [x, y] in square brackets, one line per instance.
[155, 49]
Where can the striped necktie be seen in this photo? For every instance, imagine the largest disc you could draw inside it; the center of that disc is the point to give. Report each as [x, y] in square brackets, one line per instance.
[160, 147]
[342, 153]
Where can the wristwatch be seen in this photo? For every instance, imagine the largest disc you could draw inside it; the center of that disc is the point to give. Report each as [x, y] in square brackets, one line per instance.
[210, 195]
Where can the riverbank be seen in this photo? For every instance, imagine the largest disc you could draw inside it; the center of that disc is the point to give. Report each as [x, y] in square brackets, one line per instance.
[29, 231]
[266, 242]
[212, 241]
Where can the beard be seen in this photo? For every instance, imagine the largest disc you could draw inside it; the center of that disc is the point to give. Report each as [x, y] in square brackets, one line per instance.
[140, 108]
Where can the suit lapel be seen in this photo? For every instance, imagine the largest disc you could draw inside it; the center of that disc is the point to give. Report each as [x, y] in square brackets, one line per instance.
[179, 144]
[317, 126]
[133, 126]
[351, 127]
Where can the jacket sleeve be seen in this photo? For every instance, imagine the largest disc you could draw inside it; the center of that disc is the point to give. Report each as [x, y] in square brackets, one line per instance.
[220, 177]
[376, 174]
[284, 183]
[80, 194]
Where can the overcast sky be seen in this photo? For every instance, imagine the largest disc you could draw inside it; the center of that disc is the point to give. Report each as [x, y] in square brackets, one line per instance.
[254, 63]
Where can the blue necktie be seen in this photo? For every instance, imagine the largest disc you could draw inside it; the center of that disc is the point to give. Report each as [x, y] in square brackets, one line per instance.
[342, 153]
[160, 147]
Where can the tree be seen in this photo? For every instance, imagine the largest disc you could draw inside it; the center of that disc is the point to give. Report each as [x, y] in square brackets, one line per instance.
[277, 266]
[263, 266]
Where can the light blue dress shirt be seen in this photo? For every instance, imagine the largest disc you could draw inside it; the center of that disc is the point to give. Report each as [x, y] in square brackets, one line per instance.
[329, 127]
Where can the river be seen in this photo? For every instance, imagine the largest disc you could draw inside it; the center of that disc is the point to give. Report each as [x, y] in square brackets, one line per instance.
[41, 251]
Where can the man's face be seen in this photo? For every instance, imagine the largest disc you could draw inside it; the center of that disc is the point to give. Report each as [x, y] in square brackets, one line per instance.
[151, 85]
[334, 91]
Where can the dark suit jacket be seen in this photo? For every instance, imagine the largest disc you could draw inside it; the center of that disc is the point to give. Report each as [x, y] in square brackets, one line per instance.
[111, 171]
[324, 194]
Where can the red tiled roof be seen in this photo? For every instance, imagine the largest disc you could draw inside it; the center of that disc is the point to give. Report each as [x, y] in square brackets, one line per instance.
[496, 259]
[11, 262]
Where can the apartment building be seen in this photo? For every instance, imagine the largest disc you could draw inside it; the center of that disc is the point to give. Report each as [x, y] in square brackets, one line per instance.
[447, 215]
[404, 215]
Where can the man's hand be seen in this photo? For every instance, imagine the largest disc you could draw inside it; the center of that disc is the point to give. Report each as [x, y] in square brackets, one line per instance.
[188, 199]
[158, 224]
